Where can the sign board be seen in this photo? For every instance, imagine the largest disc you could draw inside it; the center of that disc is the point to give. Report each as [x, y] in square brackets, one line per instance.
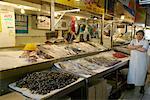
[21, 24]
[7, 26]
[43, 22]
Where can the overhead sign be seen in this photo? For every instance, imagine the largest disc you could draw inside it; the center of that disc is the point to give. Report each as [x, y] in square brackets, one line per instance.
[43, 22]
[21, 24]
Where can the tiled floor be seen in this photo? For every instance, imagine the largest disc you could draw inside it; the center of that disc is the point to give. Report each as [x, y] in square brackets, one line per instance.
[134, 93]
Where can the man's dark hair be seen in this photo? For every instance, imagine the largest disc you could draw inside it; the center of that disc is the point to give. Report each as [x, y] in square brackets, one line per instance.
[140, 31]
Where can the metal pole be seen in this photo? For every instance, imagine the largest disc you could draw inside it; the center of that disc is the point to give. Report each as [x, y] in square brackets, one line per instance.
[134, 32]
[52, 15]
[102, 29]
[111, 34]
[146, 18]
[106, 6]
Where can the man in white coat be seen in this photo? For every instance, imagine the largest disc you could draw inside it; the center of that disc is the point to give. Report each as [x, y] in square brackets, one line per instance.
[138, 61]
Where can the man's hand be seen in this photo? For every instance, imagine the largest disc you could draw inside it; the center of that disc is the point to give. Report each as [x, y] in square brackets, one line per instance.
[135, 47]
[138, 46]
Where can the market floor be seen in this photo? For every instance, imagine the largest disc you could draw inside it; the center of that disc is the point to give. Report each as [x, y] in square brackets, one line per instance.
[134, 93]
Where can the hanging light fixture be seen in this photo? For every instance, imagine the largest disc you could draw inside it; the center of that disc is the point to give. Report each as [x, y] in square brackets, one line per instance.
[78, 17]
[22, 11]
[39, 10]
[122, 17]
[95, 18]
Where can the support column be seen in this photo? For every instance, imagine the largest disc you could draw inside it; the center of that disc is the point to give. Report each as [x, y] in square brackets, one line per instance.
[52, 15]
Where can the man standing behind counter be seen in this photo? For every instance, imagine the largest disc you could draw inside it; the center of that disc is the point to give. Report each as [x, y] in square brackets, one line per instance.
[138, 62]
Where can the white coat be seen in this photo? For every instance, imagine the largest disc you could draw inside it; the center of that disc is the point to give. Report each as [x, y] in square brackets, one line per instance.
[138, 64]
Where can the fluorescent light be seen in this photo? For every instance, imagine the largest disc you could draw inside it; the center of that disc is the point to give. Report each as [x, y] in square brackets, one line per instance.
[7, 4]
[77, 0]
[19, 6]
[67, 11]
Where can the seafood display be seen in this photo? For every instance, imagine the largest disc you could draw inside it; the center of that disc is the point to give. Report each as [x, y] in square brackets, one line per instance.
[44, 55]
[119, 55]
[103, 61]
[97, 45]
[54, 50]
[75, 50]
[46, 81]
[84, 47]
[123, 49]
[88, 66]
[58, 51]
[79, 67]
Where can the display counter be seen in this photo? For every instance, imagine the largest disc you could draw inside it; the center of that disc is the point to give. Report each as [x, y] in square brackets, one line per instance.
[96, 74]
[11, 60]
[18, 67]
[91, 65]
[56, 51]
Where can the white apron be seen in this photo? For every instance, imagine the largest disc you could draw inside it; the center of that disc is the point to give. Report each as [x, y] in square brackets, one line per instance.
[138, 64]
[148, 60]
